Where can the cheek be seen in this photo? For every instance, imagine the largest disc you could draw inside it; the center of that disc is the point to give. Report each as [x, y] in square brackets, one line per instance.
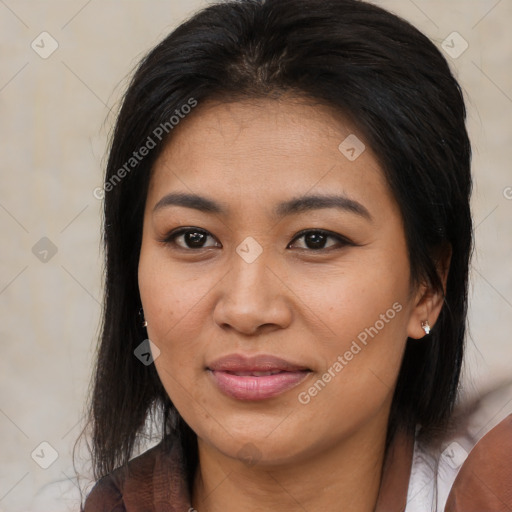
[171, 294]
[361, 360]
[365, 311]
[175, 305]
[347, 302]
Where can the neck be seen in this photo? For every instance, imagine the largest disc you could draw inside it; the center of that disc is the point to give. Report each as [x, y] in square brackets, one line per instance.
[345, 476]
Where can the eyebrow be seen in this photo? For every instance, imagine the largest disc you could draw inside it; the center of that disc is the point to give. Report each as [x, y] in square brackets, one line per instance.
[290, 207]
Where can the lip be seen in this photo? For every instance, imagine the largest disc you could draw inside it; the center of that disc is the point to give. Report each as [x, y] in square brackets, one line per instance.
[237, 376]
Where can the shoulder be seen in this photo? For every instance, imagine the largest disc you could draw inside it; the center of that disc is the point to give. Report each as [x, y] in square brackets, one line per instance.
[104, 497]
[470, 469]
[484, 481]
[130, 488]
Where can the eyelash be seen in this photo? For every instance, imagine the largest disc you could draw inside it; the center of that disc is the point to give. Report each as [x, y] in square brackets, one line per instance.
[170, 239]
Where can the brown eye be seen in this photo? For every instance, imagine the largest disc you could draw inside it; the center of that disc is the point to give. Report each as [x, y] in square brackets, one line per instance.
[189, 238]
[316, 240]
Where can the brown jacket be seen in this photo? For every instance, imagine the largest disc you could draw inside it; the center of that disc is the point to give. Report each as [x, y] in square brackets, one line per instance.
[483, 483]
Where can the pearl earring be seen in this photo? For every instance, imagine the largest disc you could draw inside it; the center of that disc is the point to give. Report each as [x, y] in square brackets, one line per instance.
[143, 320]
[425, 326]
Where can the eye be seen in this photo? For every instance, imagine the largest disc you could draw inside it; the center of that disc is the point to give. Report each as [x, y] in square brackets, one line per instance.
[316, 239]
[196, 238]
[189, 238]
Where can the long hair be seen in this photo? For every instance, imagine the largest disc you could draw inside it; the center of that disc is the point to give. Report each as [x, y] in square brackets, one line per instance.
[360, 60]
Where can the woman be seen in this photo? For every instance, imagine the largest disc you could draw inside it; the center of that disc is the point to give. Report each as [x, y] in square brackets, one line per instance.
[287, 207]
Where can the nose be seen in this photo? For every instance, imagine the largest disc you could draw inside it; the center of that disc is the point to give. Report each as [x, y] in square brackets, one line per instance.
[253, 297]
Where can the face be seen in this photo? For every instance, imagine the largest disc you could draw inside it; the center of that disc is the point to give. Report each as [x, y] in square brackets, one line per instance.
[275, 280]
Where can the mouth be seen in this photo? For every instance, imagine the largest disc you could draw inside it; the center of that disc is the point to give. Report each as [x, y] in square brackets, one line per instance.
[255, 378]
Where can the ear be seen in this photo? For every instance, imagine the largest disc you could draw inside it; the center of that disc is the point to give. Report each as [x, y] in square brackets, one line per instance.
[429, 302]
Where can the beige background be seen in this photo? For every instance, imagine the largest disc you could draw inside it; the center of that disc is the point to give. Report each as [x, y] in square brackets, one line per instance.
[53, 127]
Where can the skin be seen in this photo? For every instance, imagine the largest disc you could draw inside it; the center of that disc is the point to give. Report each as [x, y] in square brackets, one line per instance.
[303, 304]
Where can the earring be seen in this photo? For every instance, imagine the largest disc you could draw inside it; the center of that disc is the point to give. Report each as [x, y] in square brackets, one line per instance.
[143, 320]
[425, 326]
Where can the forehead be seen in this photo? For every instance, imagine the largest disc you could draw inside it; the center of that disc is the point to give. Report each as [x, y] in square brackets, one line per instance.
[259, 151]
